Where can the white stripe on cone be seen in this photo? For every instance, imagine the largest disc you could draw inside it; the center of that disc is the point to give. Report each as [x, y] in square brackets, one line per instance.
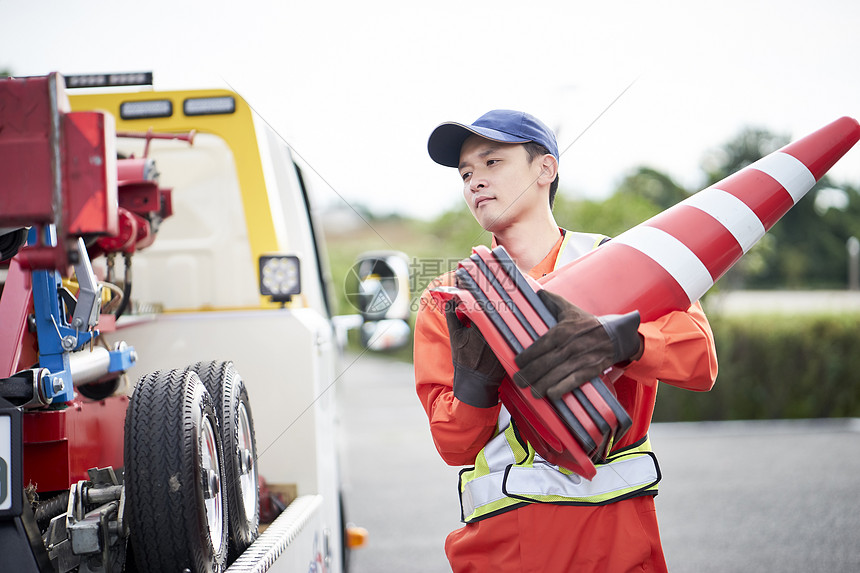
[671, 254]
[732, 213]
[788, 171]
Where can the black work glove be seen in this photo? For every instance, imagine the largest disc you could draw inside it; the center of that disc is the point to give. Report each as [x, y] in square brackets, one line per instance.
[578, 348]
[477, 372]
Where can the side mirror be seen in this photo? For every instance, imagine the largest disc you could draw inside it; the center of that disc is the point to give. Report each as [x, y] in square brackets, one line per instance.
[387, 334]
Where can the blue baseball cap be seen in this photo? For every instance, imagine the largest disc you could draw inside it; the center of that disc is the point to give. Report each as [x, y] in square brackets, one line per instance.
[504, 125]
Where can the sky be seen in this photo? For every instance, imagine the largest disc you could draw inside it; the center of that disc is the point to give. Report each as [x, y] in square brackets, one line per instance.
[356, 88]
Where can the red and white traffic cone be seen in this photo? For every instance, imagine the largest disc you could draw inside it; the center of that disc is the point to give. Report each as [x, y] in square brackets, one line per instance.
[671, 260]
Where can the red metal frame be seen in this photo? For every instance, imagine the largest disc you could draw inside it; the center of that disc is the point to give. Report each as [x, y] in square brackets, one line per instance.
[61, 445]
[30, 136]
[89, 174]
[58, 168]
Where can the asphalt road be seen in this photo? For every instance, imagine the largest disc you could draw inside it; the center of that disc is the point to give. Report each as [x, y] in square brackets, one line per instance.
[735, 497]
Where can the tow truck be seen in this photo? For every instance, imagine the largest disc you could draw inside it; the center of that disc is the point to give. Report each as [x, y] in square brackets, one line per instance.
[127, 439]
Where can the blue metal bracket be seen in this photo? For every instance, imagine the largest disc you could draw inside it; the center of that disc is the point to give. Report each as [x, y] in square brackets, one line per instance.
[57, 336]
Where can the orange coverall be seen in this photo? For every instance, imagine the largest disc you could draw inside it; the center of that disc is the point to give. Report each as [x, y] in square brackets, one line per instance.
[541, 538]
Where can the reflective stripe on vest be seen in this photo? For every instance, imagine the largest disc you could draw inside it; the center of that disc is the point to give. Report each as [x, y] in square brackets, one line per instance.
[627, 473]
[508, 473]
[497, 483]
[481, 485]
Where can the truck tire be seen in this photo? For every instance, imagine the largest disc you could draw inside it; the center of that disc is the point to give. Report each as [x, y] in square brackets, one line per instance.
[240, 452]
[174, 472]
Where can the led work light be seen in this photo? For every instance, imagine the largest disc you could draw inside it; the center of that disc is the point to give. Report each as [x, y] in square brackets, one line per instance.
[280, 277]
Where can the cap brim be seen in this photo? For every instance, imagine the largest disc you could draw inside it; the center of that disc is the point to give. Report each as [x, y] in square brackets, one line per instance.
[447, 139]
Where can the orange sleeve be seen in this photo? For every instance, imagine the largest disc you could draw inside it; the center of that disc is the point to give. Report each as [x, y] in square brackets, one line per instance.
[679, 350]
[459, 430]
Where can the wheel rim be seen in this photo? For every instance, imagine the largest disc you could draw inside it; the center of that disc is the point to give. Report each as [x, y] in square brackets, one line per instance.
[212, 487]
[248, 463]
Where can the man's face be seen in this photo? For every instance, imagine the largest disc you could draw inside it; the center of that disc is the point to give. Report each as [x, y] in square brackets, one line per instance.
[499, 182]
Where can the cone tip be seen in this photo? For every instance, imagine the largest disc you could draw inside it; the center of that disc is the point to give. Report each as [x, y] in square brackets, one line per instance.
[849, 122]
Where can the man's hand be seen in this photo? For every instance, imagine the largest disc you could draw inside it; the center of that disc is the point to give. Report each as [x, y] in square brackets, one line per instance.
[578, 348]
[477, 372]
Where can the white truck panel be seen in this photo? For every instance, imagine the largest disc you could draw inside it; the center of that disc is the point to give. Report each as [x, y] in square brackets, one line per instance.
[203, 247]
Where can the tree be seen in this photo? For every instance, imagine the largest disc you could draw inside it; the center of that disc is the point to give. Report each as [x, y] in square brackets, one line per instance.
[455, 232]
[654, 186]
[750, 145]
[611, 217]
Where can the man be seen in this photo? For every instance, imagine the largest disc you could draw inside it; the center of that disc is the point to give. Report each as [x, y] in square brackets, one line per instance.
[508, 162]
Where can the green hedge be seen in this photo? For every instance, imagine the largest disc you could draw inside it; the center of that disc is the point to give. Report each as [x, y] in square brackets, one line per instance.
[805, 366]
